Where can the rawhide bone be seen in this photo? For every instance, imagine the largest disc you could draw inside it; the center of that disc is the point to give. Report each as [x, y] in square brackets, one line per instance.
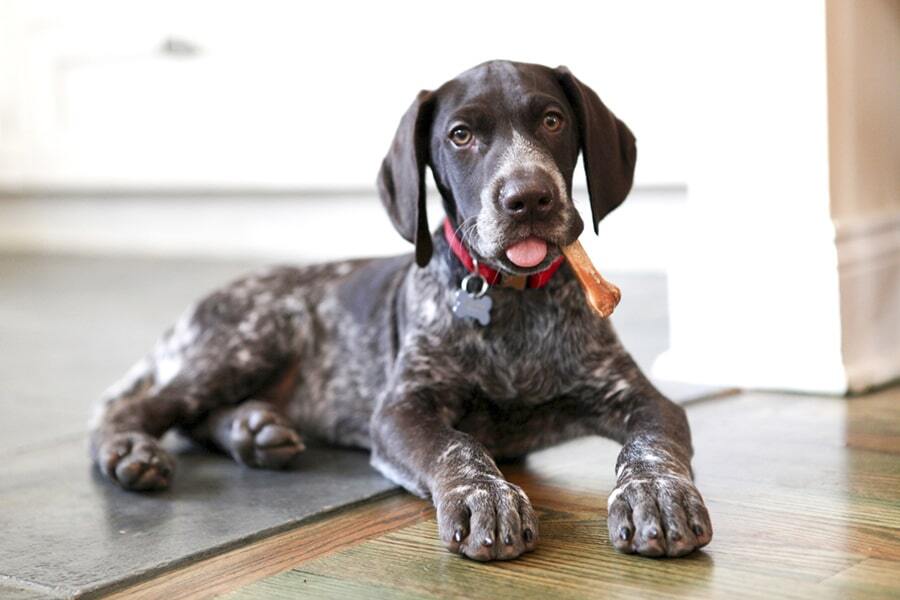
[601, 294]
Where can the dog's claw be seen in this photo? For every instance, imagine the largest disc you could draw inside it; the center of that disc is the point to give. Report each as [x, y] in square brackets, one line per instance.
[667, 514]
[480, 513]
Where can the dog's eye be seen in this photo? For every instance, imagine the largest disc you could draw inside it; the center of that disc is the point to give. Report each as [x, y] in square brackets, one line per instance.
[461, 136]
[553, 121]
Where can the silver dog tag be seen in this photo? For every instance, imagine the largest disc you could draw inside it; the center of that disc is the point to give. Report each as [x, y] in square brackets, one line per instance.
[473, 305]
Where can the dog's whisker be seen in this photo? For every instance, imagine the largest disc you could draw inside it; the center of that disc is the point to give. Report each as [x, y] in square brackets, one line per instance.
[468, 230]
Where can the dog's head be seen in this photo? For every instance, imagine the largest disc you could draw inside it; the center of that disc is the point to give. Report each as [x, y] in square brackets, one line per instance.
[502, 141]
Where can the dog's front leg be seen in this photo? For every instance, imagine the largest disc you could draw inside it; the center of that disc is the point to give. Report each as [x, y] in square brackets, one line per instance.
[655, 509]
[479, 513]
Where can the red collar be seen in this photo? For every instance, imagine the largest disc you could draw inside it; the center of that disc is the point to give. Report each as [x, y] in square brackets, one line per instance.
[492, 276]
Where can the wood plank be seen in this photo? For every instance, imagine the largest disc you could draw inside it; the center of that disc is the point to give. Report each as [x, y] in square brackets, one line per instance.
[870, 579]
[218, 574]
[799, 512]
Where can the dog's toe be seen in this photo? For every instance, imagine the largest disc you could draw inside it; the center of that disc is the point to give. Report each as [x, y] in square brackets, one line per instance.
[621, 527]
[135, 461]
[662, 516]
[487, 520]
[262, 438]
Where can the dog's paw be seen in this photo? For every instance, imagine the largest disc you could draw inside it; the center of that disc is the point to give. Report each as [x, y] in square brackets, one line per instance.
[262, 438]
[658, 515]
[488, 519]
[135, 461]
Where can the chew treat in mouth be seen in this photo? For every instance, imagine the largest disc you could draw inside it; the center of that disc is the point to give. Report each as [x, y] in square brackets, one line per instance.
[527, 253]
[601, 294]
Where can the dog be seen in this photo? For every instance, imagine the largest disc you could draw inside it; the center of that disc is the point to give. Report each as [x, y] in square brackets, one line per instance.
[478, 347]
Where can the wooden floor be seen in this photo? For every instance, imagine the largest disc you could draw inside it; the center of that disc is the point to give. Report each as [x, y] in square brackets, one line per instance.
[804, 493]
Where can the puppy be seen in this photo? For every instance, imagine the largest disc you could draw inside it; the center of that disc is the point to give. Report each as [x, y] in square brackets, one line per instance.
[480, 346]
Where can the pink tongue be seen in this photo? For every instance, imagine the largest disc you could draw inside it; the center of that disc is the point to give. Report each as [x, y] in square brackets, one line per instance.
[527, 253]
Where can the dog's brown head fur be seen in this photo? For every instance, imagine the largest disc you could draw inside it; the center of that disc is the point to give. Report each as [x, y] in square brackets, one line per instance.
[502, 140]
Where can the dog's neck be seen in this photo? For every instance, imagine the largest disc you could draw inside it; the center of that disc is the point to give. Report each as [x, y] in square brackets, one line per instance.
[494, 276]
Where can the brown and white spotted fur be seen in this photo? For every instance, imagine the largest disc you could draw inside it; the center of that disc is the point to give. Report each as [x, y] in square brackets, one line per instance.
[368, 353]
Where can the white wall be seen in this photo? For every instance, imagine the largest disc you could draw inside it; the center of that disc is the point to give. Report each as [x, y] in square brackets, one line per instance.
[791, 277]
[300, 93]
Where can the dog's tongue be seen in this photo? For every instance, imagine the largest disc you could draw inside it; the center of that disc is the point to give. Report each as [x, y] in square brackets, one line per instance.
[527, 253]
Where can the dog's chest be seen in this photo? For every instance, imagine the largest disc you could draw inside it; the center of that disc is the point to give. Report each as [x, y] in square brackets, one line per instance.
[527, 356]
[540, 344]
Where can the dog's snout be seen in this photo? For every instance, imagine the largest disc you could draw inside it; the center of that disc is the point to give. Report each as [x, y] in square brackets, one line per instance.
[526, 198]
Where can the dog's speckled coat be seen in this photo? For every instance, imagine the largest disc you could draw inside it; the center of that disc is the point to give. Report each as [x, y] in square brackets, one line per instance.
[368, 353]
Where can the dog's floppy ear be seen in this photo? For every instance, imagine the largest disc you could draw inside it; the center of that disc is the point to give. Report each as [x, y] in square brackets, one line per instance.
[401, 181]
[607, 146]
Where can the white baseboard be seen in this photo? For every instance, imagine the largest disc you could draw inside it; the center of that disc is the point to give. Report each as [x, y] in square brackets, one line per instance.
[869, 272]
[282, 227]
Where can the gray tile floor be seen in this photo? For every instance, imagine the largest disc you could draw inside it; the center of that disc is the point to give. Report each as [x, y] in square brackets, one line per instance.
[71, 326]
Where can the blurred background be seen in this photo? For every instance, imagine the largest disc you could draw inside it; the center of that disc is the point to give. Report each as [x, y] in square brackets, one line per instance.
[766, 193]
[238, 129]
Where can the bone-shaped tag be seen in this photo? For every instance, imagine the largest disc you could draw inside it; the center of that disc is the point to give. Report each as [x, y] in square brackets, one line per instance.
[470, 306]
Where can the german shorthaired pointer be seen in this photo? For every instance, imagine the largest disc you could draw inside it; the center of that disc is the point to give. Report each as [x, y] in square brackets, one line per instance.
[479, 347]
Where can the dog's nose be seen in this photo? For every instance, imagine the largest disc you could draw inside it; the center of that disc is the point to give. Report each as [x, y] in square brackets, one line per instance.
[523, 199]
